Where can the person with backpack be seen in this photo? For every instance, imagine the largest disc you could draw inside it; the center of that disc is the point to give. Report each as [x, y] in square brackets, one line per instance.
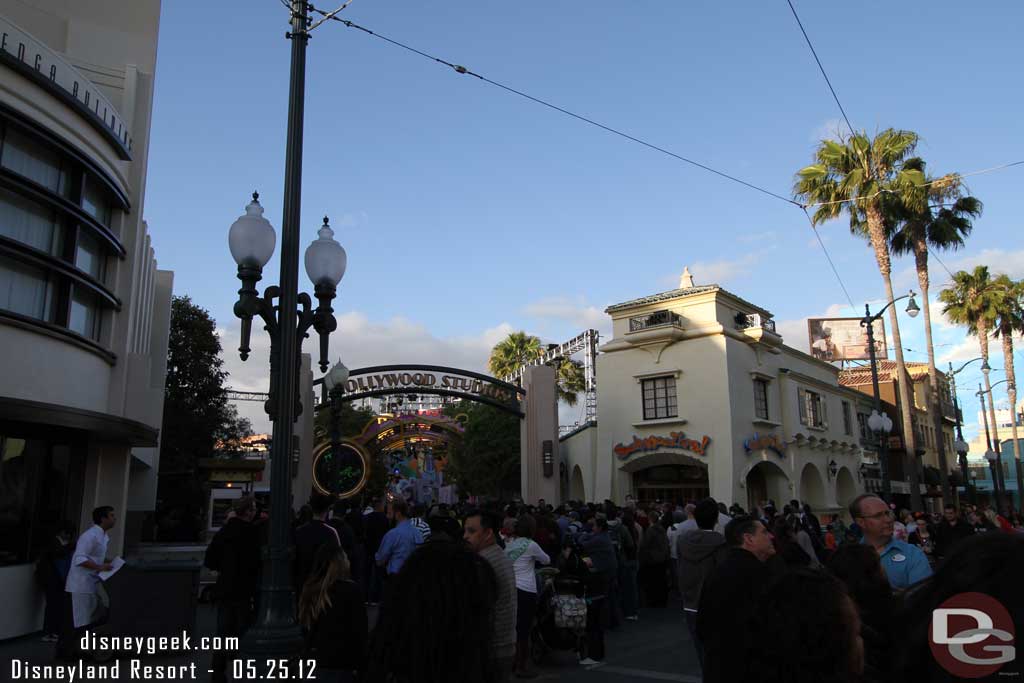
[234, 553]
[700, 552]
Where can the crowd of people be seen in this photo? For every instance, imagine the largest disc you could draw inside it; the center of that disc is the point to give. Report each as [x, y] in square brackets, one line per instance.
[767, 594]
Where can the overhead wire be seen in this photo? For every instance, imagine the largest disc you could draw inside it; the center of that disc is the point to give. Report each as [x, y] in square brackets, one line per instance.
[820, 67]
[458, 68]
[462, 70]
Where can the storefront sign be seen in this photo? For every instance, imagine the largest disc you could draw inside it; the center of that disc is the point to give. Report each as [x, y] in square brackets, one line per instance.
[770, 442]
[654, 443]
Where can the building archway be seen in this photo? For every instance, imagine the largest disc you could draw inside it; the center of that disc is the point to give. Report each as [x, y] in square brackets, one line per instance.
[766, 481]
[665, 475]
[812, 489]
[535, 403]
[846, 489]
[577, 489]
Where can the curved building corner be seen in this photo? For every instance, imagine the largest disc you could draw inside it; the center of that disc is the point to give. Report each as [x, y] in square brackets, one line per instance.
[84, 310]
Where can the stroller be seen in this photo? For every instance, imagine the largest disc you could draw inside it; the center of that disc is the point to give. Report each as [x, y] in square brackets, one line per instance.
[561, 618]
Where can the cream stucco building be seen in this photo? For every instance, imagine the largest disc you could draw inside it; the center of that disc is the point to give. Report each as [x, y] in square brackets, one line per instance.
[84, 311]
[698, 395]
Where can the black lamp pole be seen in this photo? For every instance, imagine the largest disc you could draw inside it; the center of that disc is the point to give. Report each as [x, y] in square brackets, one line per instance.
[276, 634]
[960, 437]
[883, 445]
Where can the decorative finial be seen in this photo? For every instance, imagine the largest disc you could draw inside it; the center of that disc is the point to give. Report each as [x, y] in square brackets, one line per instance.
[326, 221]
[256, 196]
[686, 280]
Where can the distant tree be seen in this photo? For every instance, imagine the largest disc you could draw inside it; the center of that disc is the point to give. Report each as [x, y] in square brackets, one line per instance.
[197, 415]
[486, 462]
[512, 352]
[519, 348]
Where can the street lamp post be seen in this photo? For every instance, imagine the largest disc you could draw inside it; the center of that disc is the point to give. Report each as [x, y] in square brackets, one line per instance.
[995, 447]
[881, 424]
[960, 446]
[276, 633]
[879, 418]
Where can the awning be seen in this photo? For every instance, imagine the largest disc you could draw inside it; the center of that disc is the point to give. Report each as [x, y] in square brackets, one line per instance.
[102, 426]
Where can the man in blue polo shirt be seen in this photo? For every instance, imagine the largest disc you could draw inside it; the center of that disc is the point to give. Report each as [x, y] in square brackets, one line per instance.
[400, 542]
[904, 564]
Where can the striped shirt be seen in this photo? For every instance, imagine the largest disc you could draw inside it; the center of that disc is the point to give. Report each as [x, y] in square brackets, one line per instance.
[505, 607]
[422, 526]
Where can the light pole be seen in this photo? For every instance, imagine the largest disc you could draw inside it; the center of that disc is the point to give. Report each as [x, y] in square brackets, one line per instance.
[868, 322]
[334, 382]
[881, 424]
[276, 633]
[994, 455]
[960, 446]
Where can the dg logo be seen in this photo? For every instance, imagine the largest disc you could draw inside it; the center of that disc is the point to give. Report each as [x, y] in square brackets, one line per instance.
[972, 635]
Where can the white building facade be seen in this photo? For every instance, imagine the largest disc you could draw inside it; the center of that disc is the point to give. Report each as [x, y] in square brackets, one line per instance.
[698, 395]
[84, 311]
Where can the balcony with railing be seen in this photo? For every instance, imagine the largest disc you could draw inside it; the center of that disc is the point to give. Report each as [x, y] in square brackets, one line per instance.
[758, 328]
[656, 319]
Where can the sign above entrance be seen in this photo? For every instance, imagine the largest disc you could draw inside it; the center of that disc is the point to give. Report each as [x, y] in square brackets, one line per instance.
[677, 440]
[433, 379]
[769, 442]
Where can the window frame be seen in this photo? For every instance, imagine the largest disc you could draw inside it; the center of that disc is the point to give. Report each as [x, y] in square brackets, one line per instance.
[761, 412]
[671, 401]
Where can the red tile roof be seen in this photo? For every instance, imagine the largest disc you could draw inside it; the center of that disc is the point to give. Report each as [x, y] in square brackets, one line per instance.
[856, 377]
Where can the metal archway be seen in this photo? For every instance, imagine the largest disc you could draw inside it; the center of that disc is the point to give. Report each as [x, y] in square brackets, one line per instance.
[384, 380]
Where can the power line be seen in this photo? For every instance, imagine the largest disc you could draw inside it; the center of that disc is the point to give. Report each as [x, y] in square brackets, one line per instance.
[820, 67]
[936, 257]
[458, 68]
[829, 258]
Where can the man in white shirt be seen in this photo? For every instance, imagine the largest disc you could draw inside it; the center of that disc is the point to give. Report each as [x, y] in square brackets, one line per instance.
[87, 562]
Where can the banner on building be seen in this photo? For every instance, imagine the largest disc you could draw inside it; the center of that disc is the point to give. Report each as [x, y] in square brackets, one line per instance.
[835, 339]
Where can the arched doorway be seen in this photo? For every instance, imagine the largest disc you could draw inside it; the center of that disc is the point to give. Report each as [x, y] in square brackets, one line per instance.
[577, 490]
[766, 481]
[846, 489]
[812, 490]
[668, 476]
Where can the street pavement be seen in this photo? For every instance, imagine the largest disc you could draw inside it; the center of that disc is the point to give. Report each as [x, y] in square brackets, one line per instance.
[655, 648]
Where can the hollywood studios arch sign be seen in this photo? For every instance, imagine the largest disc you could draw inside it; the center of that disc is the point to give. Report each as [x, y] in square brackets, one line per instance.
[535, 403]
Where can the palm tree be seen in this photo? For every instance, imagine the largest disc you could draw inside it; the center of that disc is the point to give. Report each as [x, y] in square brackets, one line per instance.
[972, 300]
[512, 352]
[519, 348]
[571, 379]
[939, 217]
[853, 175]
[1010, 309]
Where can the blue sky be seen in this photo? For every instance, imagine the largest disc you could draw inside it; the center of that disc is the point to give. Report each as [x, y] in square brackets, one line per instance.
[468, 212]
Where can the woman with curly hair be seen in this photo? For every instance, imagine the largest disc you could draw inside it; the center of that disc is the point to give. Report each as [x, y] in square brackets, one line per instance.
[333, 615]
[810, 632]
[437, 623]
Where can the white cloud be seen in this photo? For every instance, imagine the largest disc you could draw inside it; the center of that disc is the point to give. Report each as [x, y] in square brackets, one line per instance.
[999, 262]
[766, 236]
[794, 331]
[830, 128]
[359, 342]
[718, 272]
[571, 312]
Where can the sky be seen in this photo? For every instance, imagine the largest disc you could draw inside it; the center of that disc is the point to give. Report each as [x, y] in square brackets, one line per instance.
[468, 212]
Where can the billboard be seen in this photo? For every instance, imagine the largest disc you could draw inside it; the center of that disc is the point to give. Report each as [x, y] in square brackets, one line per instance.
[835, 339]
